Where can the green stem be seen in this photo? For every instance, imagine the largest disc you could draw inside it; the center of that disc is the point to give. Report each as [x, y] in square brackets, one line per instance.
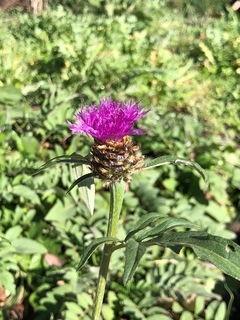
[116, 200]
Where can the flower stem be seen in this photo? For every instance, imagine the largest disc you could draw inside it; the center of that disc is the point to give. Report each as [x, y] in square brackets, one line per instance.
[116, 200]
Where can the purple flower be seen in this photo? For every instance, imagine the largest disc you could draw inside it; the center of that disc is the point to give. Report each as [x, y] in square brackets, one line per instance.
[110, 121]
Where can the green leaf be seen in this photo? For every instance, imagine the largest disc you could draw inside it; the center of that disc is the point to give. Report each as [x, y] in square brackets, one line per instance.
[81, 182]
[61, 211]
[223, 253]
[212, 309]
[166, 226]
[28, 246]
[186, 315]
[221, 311]
[92, 247]
[142, 223]
[176, 307]
[107, 312]
[159, 316]
[7, 281]
[199, 305]
[73, 158]
[86, 185]
[27, 193]
[75, 309]
[10, 95]
[134, 252]
[160, 161]
[3, 238]
[96, 3]
[13, 233]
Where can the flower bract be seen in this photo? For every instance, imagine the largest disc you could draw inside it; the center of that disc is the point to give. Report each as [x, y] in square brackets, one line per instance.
[110, 121]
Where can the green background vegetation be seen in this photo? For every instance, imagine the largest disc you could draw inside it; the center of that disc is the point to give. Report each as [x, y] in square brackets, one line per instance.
[181, 60]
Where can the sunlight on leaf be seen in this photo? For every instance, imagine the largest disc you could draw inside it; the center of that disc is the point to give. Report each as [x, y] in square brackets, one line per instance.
[223, 253]
[134, 253]
[85, 184]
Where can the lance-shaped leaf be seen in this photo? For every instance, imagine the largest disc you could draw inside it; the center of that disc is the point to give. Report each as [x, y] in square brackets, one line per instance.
[81, 182]
[142, 223]
[134, 252]
[74, 158]
[223, 253]
[28, 246]
[160, 161]
[85, 184]
[166, 226]
[92, 247]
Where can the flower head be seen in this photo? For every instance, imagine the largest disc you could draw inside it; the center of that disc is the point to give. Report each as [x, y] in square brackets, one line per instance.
[110, 121]
[113, 156]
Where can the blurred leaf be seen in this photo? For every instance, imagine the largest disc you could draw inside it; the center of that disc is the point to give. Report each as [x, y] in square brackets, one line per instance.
[13, 233]
[61, 211]
[30, 145]
[75, 309]
[27, 193]
[28, 246]
[221, 311]
[95, 3]
[159, 316]
[176, 307]
[219, 213]
[170, 184]
[107, 312]
[7, 281]
[199, 304]
[10, 95]
[236, 178]
[133, 254]
[186, 315]
[212, 309]
[85, 182]
[208, 53]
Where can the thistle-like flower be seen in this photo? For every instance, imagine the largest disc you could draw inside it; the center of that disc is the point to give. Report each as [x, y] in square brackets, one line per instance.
[113, 156]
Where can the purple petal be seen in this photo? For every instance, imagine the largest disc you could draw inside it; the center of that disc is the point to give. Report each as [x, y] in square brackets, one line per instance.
[111, 120]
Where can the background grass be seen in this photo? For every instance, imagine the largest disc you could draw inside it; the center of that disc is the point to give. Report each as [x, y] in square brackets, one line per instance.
[182, 60]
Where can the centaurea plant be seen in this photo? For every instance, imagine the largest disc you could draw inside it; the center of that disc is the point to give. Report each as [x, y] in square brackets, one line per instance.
[114, 159]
